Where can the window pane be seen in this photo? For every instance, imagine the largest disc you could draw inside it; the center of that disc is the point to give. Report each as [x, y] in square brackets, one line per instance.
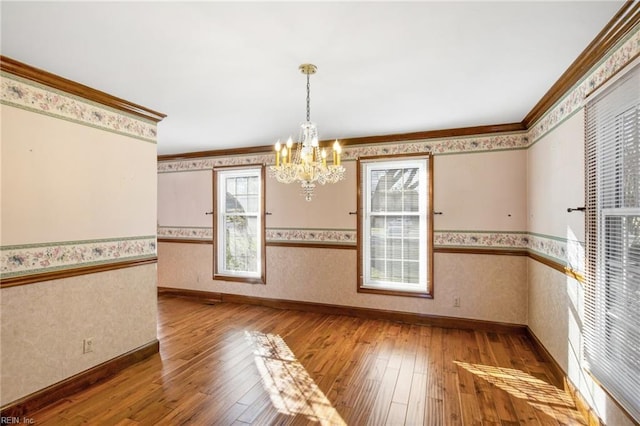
[254, 185]
[377, 247]
[411, 201]
[394, 226]
[394, 248]
[394, 271]
[234, 204]
[411, 227]
[412, 272]
[411, 249]
[378, 193]
[378, 269]
[378, 226]
[231, 186]
[241, 253]
[253, 204]
[241, 185]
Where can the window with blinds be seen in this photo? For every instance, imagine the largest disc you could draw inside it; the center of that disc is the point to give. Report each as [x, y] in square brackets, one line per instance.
[239, 244]
[395, 225]
[612, 297]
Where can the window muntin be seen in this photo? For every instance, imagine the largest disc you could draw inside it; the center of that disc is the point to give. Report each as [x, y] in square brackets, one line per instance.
[239, 224]
[395, 226]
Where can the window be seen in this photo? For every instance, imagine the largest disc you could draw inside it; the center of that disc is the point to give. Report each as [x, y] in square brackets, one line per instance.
[394, 230]
[612, 299]
[239, 225]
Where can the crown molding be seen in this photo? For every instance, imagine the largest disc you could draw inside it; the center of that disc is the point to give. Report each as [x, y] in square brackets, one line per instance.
[230, 152]
[364, 140]
[436, 134]
[616, 29]
[28, 72]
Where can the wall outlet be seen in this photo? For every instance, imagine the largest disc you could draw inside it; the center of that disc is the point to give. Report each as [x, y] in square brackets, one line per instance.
[87, 345]
[456, 302]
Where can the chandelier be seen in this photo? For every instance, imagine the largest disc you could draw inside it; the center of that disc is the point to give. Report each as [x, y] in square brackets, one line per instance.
[307, 162]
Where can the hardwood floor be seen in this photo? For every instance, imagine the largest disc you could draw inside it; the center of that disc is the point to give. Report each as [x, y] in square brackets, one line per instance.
[230, 364]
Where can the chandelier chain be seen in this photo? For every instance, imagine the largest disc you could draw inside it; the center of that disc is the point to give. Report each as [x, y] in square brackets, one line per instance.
[308, 99]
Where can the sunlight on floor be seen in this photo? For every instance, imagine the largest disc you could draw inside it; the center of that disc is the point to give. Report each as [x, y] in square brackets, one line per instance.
[291, 389]
[541, 395]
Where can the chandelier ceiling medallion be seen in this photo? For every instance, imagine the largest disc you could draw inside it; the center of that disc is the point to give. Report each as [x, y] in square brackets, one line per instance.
[307, 162]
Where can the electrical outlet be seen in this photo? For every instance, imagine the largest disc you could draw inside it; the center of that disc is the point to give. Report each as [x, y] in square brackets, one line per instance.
[87, 345]
[456, 302]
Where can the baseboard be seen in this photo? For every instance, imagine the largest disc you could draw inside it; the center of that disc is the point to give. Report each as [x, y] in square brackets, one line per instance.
[561, 377]
[192, 294]
[558, 372]
[369, 313]
[37, 400]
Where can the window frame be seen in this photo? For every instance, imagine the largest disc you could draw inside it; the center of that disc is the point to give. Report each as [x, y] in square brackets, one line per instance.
[427, 290]
[218, 238]
[607, 324]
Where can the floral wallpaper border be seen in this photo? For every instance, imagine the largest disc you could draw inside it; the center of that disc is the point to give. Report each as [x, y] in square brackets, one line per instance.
[498, 142]
[309, 236]
[190, 232]
[211, 162]
[35, 97]
[574, 99]
[484, 143]
[473, 239]
[560, 250]
[312, 236]
[38, 258]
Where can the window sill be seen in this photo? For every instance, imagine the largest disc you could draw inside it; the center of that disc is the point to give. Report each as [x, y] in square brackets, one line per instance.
[389, 292]
[240, 279]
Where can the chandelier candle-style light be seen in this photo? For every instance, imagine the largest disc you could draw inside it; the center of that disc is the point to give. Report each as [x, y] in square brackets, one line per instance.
[308, 164]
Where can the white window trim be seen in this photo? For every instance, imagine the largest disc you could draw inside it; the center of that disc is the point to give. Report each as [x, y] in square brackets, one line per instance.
[220, 237]
[366, 283]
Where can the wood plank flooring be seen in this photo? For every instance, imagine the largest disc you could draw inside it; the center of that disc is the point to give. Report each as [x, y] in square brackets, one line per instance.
[230, 364]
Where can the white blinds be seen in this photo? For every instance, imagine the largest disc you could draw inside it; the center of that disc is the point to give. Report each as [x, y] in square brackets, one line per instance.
[612, 298]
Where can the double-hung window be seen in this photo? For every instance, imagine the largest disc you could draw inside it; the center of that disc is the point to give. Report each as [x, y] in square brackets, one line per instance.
[394, 229]
[612, 299]
[239, 224]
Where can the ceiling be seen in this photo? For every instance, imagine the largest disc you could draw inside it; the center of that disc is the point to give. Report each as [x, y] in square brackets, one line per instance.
[226, 73]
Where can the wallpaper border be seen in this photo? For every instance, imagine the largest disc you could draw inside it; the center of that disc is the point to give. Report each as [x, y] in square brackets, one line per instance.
[19, 260]
[557, 249]
[31, 96]
[312, 236]
[189, 232]
[622, 54]
[480, 239]
[442, 146]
